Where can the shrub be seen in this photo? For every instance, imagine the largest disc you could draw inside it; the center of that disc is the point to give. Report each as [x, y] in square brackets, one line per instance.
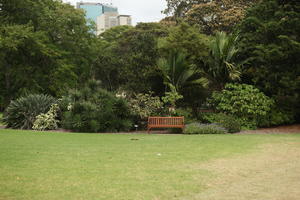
[243, 101]
[21, 113]
[172, 97]
[186, 113]
[47, 121]
[276, 117]
[145, 105]
[197, 128]
[93, 109]
[232, 124]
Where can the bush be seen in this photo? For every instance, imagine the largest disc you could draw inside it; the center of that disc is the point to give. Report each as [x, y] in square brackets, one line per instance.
[276, 117]
[197, 128]
[243, 101]
[22, 113]
[93, 109]
[145, 105]
[186, 113]
[47, 121]
[232, 124]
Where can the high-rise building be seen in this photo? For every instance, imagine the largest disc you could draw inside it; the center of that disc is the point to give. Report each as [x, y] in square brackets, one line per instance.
[103, 15]
[124, 20]
[93, 10]
[107, 21]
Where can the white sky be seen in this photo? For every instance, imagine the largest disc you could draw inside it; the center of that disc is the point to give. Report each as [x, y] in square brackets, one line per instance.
[140, 10]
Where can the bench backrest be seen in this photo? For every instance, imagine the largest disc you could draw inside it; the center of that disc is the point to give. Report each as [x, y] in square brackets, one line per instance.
[166, 122]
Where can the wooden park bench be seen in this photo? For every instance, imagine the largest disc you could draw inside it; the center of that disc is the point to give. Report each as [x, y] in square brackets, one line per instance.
[165, 122]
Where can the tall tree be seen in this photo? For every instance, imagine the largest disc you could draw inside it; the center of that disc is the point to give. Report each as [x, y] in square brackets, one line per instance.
[210, 15]
[221, 67]
[270, 43]
[129, 60]
[108, 64]
[177, 72]
[45, 46]
[188, 49]
[188, 40]
[178, 8]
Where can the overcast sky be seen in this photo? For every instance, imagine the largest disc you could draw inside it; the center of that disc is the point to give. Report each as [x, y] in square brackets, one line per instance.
[140, 10]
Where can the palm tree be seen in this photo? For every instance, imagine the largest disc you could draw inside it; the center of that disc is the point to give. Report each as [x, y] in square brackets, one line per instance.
[178, 75]
[177, 72]
[221, 68]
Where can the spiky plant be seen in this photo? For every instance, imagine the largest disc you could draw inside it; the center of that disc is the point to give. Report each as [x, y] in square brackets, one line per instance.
[177, 72]
[22, 112]
[222, 68]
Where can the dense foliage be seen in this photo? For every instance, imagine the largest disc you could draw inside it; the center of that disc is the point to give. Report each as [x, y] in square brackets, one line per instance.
[128, 57]
[270, 43]
[243, 101]
[49, 47]
[144, 105]
[93, 109]
[223, 15]
[231, 123]
[210, 16]
[22, 112]
[45, 46]
[277, 117]
[221, 67]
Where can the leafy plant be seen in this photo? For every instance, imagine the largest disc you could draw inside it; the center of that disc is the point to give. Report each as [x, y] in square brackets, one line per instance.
[276, 117]
[269, 43]
[172, 97]
[232, 124]
[22, 112]
[197, 128]
[244, 102]
[47, 121]
[145, 105]
[93, 109]
[221, 68]
[186, 113]
[38, 47]
[213, 16]
[177, 72]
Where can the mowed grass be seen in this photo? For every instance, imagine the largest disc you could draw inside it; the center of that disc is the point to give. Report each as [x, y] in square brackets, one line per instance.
[45, 165]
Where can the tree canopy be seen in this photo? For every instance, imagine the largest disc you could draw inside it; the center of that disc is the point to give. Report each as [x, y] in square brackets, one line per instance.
[270, 44]
[45, 46]
[48, 47]
[210, 15]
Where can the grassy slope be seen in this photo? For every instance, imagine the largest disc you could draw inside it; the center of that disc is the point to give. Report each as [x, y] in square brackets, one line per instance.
[36, 165]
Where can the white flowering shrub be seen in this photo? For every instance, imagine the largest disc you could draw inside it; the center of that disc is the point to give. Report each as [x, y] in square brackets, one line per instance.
[145, 105]
[47, 121]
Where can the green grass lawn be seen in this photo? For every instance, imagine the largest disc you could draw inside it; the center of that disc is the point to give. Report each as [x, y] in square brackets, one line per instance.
[45, 165]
